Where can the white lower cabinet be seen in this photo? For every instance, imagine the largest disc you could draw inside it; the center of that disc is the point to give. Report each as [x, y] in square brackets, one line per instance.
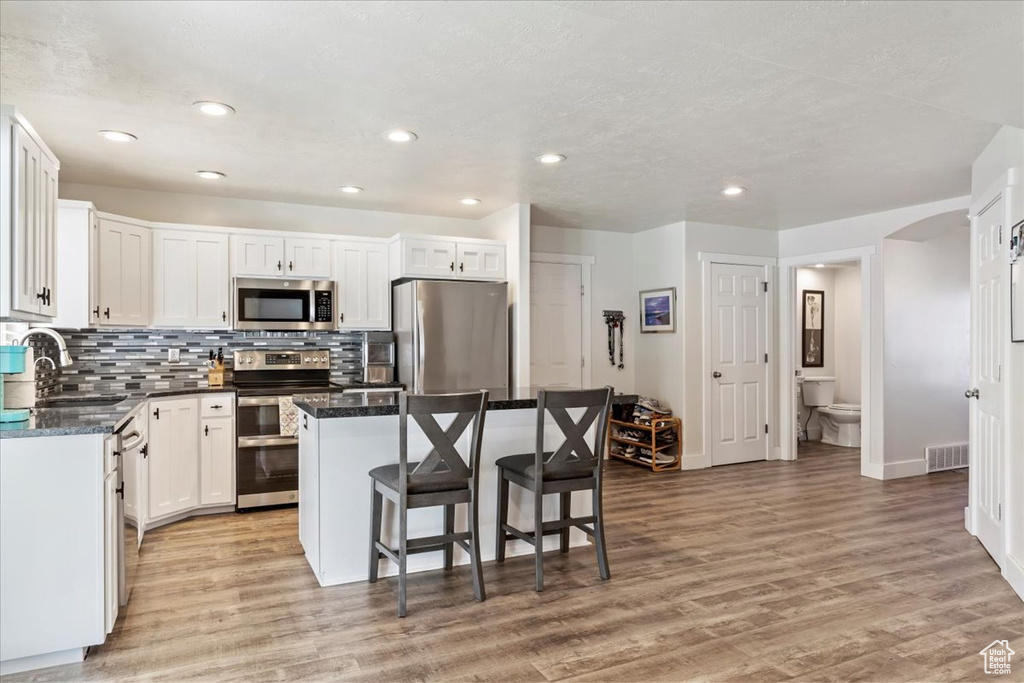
[111, 546]
[173, 456]
[217, 461]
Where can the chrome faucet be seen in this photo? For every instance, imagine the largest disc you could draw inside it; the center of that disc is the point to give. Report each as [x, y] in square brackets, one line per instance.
[64, 358]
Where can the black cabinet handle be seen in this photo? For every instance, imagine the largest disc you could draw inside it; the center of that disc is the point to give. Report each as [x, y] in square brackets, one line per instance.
[96, 311]
[217, 407]
[451, 266]
[106, 312]
[206, 430]
[461, 267]
[341, 318]
[144, 450]
[279, 265]
[120, 490]
[156, 413]
[291, 266]
[224, 316]
[305, 421]
[42, 295]
[49, 293]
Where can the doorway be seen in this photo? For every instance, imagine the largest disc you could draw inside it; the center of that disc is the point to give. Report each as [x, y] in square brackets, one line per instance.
[557, 356]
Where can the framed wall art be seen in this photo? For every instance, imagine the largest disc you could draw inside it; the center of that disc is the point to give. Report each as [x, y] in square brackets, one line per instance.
[814, 329]
[658, 310]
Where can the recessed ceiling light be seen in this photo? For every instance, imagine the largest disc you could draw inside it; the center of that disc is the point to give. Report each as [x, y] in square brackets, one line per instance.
[551, 158]
[819, 265]
[733, 190]
[118, 136]
[214, 108]
[350, 189]
[210, 175]
[469, 201]
[400, 135]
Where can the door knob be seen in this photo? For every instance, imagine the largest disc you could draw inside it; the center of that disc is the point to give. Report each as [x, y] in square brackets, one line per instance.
[971, 393]
[716, 374]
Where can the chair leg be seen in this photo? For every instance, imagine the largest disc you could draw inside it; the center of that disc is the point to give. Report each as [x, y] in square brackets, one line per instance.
[564, 512]
[599, 544]
[376, 511]
[449, 527]
[502, 536]
[474, 545]
[538, 536]
[403, 541]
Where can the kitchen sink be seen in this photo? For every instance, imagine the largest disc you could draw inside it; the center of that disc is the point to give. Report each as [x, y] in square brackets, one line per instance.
[96, 402]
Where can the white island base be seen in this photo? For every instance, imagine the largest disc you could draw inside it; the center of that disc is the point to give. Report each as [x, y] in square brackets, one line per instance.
[335, 457]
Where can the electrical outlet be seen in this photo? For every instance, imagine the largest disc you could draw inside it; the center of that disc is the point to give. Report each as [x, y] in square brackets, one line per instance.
[173, 355]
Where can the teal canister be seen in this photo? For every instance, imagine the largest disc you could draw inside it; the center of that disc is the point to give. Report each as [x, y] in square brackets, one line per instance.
[12, 359]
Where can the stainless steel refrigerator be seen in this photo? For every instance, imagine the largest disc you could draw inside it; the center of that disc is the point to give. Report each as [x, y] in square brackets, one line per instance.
[451, 336]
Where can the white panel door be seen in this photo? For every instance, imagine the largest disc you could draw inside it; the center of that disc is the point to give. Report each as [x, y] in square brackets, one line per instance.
[986, 439]
[173, 456]
[481, 261]
[217, 462]
[427, 258]
[556, 325]
[364, 288]
[738, 364]
[258, 256]
[124, 260]
[307, 258]
[174, 278]
[212, 282]
[28, 294]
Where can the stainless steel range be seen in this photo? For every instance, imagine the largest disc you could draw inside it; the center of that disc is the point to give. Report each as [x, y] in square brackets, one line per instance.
[267, 460]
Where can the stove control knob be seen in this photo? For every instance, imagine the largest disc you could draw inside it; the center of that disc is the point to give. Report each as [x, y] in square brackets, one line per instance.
[323, 359]
[306, 359]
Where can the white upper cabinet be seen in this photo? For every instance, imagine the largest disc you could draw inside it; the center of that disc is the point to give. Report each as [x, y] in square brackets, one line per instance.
[480, 261]
[123, 261]
[307, 258]
[28, 228]
[447, 258]
[76, 224]
[364, 288]
[191, 279]
[265, 256]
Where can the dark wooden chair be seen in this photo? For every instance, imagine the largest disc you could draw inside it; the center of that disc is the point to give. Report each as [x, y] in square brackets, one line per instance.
[575, 466]
[443, 478]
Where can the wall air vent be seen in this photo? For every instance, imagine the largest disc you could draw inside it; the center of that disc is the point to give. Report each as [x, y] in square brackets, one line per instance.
[953, 457]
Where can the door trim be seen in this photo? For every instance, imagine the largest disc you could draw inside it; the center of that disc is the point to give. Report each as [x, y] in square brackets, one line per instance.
[871, 406]
[586, 306]
[768, 265]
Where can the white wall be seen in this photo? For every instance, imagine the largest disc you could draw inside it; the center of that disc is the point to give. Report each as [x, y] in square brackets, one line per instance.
[927, 343]
[197, 209]
[847, 334]
[611, 288]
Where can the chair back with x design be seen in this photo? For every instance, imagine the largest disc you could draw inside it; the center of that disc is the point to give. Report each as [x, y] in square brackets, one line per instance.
[444, 464]
[575, 454]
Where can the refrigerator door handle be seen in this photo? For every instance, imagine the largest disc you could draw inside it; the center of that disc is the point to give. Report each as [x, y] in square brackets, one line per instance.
[421, 348]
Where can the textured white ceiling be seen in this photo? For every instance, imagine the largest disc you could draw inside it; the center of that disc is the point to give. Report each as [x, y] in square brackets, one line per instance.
[822, 109]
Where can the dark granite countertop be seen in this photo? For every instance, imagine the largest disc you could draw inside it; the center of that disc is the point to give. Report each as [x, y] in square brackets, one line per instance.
[70, 420]
[360, 404]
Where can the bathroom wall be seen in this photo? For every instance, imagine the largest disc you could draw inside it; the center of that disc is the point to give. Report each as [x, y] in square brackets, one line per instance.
[847, 334]
[822, 279]
[927, 343]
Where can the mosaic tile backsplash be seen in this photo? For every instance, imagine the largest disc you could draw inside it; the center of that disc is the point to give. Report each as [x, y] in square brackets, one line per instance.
[119, 360]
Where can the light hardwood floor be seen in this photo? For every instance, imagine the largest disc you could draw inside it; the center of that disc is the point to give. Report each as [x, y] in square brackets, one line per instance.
[764, 571]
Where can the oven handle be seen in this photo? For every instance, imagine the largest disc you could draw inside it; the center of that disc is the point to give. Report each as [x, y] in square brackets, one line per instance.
[258, 401]
[258, 441]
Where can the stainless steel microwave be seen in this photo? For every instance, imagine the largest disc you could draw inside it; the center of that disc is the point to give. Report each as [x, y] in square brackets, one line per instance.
[271, 304]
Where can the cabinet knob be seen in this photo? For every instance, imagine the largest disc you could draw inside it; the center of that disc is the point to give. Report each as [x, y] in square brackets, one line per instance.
[156, 413]
[217, 407]
[42, 295]
[96, 311]
[279, 265]
[461, 267]
[224, 316]
[451, 266]
[291, 266]
[206, 430]
[106, 312]
[49, 292]
[120, 490]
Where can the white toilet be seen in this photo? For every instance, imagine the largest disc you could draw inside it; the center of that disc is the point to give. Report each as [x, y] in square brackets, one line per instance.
[840, 422]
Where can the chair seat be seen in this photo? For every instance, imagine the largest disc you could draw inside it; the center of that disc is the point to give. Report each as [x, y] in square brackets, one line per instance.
[524, 465]
[388, 475]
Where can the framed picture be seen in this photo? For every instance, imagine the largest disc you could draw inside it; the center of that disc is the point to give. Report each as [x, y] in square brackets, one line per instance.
[1017, 282]
[814, 329]
[658, 310]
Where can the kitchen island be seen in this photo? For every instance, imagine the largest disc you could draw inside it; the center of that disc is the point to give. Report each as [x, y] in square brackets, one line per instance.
[341, 440]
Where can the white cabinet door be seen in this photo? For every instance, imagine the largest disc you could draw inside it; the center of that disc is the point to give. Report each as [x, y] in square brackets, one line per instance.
[28, 294]
[46, 244]
[213, 282]
[111, 546]
[173, 456]
[124, 257]
[191, 279]
[217, 462]
[364, 289]
[174, 282]
[94, 270]
[307, 258]
[309, 490]
[481, 261]
[428, 258]
[258, 256]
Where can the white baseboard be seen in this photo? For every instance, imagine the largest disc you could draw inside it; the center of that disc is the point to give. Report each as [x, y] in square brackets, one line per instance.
[13, 666]
[904, 468]
[1013, 572]
[967, 521]
[698, 461]
[777, 453]
[872, 470]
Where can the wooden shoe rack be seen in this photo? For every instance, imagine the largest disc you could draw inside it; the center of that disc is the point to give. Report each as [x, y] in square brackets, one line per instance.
[650, 441]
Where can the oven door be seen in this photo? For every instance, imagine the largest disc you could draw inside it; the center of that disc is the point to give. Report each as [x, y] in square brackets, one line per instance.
[267, 464]
[262, 304]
